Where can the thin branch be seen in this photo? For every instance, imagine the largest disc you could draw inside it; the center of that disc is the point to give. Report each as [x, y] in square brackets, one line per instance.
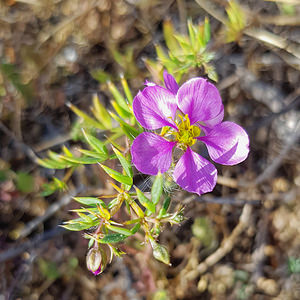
[270, 170]
[50, 211]
[226, 246]
[36, 241]
[27, 150]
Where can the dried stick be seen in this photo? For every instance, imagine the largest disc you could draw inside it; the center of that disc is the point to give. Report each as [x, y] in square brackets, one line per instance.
[50, 211]
[18, 249]
[269, 171]
[226, 246]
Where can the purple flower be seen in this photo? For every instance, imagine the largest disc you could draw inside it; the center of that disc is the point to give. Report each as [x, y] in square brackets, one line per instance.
[186, 114]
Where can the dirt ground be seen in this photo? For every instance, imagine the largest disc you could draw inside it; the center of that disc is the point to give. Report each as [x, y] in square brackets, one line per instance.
[242, 241]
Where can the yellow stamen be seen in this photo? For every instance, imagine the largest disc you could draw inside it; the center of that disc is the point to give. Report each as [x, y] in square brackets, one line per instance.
[186, 133]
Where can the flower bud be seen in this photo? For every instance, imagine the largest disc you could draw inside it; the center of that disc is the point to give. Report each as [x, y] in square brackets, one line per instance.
[96, 260]
[160, 252]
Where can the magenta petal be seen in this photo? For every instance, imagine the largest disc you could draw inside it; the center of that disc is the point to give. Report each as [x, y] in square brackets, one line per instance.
[194, 173]
[155, 107]
[201, 101]
[170, 83]
[227, 143]
[151, 153]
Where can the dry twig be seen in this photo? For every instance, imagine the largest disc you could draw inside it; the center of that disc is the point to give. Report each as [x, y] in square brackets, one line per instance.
[226, 246]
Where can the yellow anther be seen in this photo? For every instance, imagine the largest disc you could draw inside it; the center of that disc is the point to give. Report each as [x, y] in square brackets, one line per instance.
[186, 133]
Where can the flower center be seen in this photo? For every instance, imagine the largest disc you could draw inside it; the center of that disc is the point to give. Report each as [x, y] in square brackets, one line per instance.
[186, 133]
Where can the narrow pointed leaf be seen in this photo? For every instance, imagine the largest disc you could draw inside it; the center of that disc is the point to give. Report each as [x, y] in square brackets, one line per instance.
[113, 238]
[87, 119]
[82, 160]
[124, 162]
[126, 89]
[145, 201]
[90, 201]
[165, 207]
[121, 230]
[96, 144]
[157, 188]
[206, 31]
[100, 112]
[117, 176]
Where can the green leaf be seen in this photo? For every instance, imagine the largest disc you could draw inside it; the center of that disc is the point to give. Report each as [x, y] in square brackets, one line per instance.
[121, 230]
[113, 238]
[87, 119]
[117, 175]
[51, 164]
[112, 203]
[48, 269]
[50, 188]
[118, 97]
[129, 130]
[100, 75]
[165, 207]
[93, 154]
[96, 144]
[124, 162]
[145, 201]
[157, 188]
[206, 30]
[120, 110]
[100, 112]
[25, 182]
[85, 217]
[294, 265]
[135, 228]
[191, 32]
[11, 73]
[83, 160]
[90, 201]
[168, 30]
[126, 89]
[161, 54]
[77, 226]
[66, 151]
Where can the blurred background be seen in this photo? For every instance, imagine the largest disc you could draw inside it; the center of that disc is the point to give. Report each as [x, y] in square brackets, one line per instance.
[54, 52]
